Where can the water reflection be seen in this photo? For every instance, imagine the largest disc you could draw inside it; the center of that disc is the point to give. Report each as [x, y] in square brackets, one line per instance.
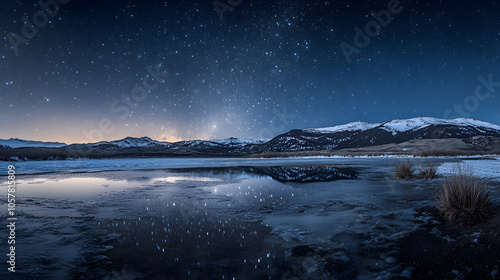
[83, 188]
[201, 245]
[300, 174]
[215, 231]
[69, 188]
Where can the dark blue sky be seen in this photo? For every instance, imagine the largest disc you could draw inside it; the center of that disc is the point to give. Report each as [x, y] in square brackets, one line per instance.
[265, 68]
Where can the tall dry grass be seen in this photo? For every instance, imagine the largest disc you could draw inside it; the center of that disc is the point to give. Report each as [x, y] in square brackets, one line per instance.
[428, 172]
[403, 170]
[464, 198]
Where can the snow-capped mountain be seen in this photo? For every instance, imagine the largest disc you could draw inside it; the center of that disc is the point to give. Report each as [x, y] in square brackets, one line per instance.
[403, 125]
[19, 143]
[353, 126]
[130, 142]
[228, 147]
[229, 142]
[474, 135]
[361, 134]
[146, 146]
[240, 142]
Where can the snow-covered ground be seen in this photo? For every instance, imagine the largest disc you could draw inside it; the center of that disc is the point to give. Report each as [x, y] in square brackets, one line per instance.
[484, 168]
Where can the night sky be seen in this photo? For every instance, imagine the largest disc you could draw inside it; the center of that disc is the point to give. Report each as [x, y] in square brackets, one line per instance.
[254, 70]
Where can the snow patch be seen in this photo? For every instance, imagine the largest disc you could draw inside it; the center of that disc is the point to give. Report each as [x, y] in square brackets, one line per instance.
[486, 169]
[354, 126]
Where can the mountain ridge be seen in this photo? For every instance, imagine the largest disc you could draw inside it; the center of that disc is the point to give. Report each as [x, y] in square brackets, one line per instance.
[353, 135]
[361, 134]
[392, 126]
[18, 143]
[396, 124]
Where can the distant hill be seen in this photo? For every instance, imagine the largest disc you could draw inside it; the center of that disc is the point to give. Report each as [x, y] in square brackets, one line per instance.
[360, 134]
[455, 136]
[18, 143]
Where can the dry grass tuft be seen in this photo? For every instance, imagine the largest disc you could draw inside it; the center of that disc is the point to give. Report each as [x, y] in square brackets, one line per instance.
[404, 170]
[429, 172]
[464, 199]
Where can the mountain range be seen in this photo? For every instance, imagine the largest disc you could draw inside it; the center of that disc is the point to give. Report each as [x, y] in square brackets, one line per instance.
[471, 135]
[361, 134]
[19, 143]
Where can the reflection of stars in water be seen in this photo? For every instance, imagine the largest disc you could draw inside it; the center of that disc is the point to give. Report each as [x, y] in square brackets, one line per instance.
[201, 234]
[202, 240]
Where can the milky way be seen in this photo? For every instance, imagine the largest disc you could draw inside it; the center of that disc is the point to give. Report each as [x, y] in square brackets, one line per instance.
[171, 70]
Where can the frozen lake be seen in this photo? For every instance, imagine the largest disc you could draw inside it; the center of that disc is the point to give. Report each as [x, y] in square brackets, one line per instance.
[218, 218]
[95, 165]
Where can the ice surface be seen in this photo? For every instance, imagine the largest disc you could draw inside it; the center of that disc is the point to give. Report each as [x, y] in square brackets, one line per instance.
[95, 165]
[483, 168]
[233, 226]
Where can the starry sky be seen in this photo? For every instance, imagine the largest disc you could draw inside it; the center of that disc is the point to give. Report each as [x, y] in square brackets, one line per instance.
[240, 68]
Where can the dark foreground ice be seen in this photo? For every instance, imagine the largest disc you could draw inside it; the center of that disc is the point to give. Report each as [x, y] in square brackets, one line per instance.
[222, 219]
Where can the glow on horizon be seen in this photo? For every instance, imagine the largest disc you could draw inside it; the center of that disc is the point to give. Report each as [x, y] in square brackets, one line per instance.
[74, 135]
